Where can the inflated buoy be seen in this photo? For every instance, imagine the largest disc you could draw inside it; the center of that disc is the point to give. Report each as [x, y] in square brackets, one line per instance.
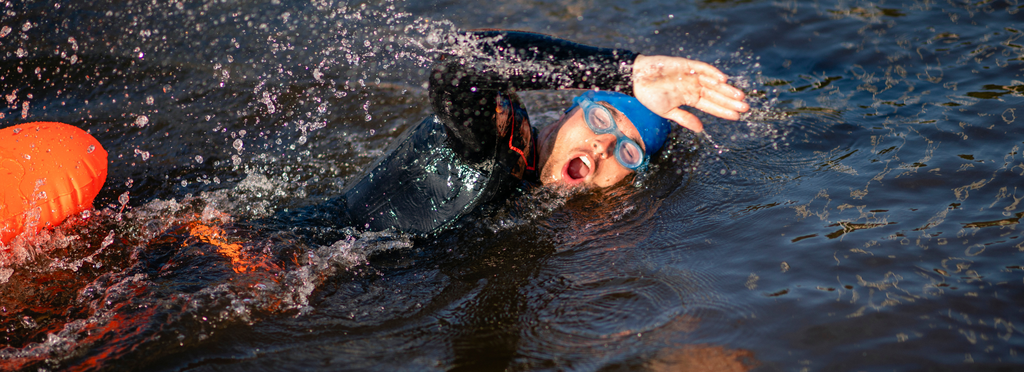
[48, 171]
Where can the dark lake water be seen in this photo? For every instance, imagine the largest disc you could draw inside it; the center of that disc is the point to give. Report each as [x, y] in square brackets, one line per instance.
[864, 215]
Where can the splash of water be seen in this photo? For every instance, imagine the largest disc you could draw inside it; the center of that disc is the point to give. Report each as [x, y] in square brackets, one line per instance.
[130, 289]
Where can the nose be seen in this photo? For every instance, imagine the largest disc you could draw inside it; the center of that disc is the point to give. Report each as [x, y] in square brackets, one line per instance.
[604, 145]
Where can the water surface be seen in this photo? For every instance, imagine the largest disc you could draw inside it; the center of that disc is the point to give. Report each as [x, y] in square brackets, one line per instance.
[862, 217]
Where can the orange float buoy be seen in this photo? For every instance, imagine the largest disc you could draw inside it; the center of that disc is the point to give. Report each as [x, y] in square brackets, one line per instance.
[48, 171]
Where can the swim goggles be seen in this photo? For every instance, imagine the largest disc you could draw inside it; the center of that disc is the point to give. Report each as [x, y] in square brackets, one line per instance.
[600, 120]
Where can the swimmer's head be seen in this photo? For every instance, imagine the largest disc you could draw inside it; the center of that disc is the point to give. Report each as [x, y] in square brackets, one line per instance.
[584, 148]
[653, 129]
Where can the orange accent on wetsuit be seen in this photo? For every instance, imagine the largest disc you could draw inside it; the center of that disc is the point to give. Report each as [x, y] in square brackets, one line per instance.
[48, 171]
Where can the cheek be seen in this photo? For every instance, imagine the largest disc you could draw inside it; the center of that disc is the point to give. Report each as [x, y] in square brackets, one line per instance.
[607, 181]
[611, 175]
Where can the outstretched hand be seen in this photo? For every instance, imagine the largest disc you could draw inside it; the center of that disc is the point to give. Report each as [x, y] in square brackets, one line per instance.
[663, 83]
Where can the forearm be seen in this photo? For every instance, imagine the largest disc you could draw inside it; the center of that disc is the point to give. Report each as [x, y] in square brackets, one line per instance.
[527, 61]
[478, 66]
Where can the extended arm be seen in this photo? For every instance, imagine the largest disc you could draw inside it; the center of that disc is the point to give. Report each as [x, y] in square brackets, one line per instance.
[478, 66]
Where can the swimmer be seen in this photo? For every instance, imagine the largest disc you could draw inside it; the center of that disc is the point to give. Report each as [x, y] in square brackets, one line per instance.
[480, 144]
[478, 147]
[49, 171]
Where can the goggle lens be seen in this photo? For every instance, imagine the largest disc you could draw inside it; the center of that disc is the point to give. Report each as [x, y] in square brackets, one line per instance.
[600, 119]
[629, 154]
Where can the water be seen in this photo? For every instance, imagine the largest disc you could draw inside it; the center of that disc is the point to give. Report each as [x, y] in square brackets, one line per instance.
[863, 217]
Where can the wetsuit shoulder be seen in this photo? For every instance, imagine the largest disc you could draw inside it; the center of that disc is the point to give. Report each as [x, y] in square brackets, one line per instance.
[421, 185]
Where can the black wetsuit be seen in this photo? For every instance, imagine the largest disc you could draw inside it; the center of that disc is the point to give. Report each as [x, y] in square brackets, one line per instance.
[479, 146]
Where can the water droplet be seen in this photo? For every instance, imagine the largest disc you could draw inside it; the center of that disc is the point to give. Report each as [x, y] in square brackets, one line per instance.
[199, 159]
[108, 240]
[21, 52]
[17, 130]
[5, 30]
[28, 157]
[90, 149]
[235, 159]
[141, 121]
[237, 145]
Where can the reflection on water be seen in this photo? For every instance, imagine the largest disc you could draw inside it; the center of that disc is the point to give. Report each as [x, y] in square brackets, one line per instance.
[863, 216]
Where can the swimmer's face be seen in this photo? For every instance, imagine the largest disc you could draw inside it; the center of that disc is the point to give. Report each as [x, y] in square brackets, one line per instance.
[570, 154]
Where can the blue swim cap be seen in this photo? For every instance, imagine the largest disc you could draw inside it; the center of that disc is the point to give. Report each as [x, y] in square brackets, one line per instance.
[653, 128]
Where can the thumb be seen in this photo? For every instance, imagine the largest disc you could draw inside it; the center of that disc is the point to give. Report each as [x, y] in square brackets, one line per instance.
[684, 118]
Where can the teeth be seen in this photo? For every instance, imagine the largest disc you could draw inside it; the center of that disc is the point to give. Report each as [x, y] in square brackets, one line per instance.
[586, 161]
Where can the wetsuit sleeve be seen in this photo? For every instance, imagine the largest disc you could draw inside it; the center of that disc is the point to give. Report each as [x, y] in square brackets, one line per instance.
[479, 66]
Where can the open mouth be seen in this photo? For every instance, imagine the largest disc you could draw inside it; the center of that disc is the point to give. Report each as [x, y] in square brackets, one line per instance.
[577, 169]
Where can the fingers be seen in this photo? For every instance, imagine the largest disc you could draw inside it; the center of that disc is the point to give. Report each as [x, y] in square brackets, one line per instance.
[721, 99]
[717, 110]
[723, 88]
[717, 104]
[686, 119]
[706, 70]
